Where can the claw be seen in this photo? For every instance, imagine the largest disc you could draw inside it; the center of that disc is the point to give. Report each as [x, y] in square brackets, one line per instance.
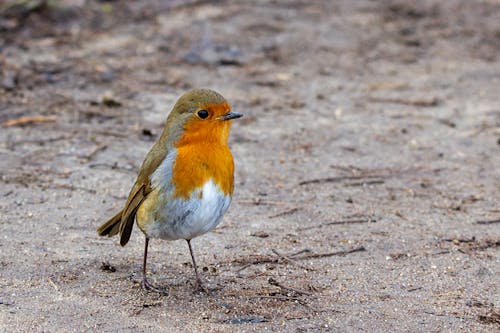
[199, 287]
[146, 285]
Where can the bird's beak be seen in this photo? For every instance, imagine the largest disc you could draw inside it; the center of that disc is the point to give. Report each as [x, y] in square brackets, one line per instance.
[230, 115]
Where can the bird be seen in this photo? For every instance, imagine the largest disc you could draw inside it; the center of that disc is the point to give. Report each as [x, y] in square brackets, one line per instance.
[186, 182]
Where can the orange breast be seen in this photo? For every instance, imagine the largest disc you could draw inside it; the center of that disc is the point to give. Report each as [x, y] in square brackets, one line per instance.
[203, 154]
[197, 164]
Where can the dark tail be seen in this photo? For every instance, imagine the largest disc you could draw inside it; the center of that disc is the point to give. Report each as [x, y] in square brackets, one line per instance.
[112, 227]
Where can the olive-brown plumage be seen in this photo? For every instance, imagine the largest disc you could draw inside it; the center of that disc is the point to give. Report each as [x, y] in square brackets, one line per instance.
[185, 183]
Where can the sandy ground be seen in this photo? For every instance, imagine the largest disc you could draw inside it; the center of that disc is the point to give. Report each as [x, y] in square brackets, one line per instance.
[367, 165]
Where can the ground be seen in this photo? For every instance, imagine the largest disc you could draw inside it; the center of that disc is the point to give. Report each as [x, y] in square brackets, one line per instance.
[367, 164]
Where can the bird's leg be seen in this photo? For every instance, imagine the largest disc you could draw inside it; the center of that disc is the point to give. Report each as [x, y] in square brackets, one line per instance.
[145, 283]
[199, 284]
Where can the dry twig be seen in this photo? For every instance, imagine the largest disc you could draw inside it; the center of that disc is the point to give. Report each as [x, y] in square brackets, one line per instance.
[413, 102]
[94, 152]
[273, 282]
[286, 212]
[342, 178]
[488, 221]
[288, 259]
[366, 182]
[330, 254]
[271, 260]
[278, 297]
[348, 221]
[53, 284]
[28, 120]
[460, 240]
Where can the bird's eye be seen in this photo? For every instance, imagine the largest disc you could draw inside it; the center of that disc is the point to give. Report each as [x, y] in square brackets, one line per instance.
[203, 114]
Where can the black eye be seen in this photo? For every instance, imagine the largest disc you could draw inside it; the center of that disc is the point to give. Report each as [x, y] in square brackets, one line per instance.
[203, 114]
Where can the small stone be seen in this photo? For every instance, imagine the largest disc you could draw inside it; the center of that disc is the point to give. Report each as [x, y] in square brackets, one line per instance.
[110, 101]
[260, 234]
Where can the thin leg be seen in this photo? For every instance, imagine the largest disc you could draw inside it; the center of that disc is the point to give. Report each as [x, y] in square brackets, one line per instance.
[145, 283]
[144, 279]
[199, 284]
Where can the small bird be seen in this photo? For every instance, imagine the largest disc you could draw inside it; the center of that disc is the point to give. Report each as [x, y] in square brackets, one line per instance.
[185, 183]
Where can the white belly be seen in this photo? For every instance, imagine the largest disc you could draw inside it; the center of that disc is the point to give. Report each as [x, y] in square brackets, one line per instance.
[187, 218]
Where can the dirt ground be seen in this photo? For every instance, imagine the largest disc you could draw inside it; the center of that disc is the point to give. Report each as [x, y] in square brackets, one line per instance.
[367, 165]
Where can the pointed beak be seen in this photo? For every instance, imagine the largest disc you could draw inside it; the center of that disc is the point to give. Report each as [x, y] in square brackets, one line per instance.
[231, 115]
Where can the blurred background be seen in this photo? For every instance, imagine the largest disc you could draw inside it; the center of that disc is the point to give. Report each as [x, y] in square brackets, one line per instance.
[367, 163]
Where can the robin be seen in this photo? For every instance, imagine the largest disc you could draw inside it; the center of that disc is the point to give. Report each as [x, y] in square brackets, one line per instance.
[185, 183]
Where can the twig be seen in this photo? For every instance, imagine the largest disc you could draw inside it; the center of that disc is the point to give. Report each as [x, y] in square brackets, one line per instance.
[441, 252]
[460, 240]
[331, 254]
[341, 178]
[488, 221]
[280, 255]
[414, 102]
[271, 260]
[273, 282]
[299, 252]
[96, 150]
[244, 267]
[286, 212]
[280, 297]
[28, 120]
[349, 221]
[288, 259]
[256, 261]
[285, 258]
[53, 284]
[245, 320]
[366, 182]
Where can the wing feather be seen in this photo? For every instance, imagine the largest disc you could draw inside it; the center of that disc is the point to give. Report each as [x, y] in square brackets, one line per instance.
[123, 221]
[136, 197]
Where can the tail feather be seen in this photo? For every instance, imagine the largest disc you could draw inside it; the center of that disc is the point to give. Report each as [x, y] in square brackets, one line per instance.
[112, 226]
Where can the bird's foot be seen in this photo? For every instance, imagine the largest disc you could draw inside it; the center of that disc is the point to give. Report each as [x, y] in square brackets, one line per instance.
[146, 285]
[200, 287]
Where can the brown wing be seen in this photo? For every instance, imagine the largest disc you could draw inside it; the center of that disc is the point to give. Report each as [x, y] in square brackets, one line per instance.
[136, 197]
[123, 221]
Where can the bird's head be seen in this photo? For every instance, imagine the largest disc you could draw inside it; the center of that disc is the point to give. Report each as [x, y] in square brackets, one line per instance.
[200, 115]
